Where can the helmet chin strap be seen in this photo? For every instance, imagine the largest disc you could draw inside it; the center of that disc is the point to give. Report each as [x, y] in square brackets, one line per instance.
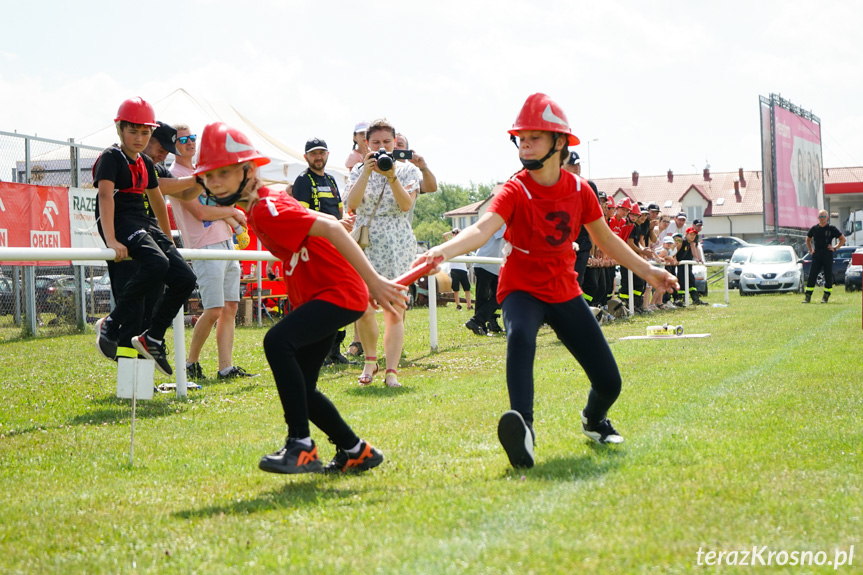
[231, 199]
[537, 164]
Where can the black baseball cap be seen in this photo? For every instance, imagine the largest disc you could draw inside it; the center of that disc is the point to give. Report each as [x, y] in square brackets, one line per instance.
[697, 223]
[574, 159]
[167, 136]
[653, 207]
[316, 144]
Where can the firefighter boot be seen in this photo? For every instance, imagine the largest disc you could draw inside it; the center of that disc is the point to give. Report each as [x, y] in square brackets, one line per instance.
[825, 297]
[807, 297]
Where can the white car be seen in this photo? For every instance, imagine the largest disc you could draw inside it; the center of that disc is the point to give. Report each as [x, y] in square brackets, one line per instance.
[771, 269]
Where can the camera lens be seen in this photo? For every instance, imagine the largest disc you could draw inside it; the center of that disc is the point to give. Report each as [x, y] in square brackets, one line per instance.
[385, 162]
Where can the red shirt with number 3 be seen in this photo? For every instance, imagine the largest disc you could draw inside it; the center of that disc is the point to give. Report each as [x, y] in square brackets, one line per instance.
[542, 222]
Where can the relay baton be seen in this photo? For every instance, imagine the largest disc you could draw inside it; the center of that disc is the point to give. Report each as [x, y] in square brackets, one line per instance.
[413, 275]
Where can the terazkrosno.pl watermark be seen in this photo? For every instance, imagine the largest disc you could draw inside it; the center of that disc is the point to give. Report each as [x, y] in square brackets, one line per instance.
[758, 556]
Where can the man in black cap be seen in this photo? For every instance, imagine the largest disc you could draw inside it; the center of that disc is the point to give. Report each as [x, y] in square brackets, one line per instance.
[318, 191]
[573, 165]
[314, 188]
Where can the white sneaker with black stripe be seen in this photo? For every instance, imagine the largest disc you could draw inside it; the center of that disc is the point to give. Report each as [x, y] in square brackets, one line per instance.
[516, 436]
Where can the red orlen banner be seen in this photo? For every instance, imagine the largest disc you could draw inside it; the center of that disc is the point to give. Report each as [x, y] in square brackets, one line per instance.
[34, 216]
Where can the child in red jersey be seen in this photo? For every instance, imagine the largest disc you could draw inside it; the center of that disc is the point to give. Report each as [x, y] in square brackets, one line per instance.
[324, 271]
[543, 208]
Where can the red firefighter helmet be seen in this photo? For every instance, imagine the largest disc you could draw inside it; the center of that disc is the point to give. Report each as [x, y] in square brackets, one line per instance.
[222, 145]
[636, 209]
[542, 113]
[137, 111]
[626, 203]
[610, 202]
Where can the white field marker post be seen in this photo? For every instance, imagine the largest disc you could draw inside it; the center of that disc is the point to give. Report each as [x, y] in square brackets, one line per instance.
[134, 379]
[180, 355]
[432, 289]
[629, 291]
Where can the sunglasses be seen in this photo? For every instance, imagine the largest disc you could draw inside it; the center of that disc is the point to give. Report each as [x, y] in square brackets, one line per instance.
[187, 139]
[822, 217]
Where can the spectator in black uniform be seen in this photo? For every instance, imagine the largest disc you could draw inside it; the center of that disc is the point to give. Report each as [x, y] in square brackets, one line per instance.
[819, 242]
[318, 191]
[686, 252]
[314, 188]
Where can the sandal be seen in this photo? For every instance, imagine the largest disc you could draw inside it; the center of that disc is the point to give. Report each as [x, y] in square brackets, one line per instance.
[394, 382]
[356, 346]
[367, 378]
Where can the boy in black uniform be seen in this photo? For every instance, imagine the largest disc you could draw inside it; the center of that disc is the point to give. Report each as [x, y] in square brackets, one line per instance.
[686, 252]
[124, 175]
[636, 220]
[822, 235]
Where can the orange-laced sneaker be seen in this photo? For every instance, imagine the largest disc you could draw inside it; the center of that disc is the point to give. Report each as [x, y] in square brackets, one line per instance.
[294, 457]
[368, 457]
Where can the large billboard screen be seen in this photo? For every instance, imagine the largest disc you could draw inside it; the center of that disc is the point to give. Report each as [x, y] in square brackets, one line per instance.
[767, 168]
[799, 185]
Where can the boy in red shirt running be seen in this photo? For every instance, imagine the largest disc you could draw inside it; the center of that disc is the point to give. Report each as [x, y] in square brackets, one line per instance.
[543, 208]
[324, 271]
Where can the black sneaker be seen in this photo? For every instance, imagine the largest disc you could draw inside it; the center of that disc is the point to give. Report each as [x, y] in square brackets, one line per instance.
[106, 339]
[237, 371]
[475, 327]
[294, 457]
[368, 458]
[602, 432]
[194, 372]
[492, 326]
[516, 436]
[152, 350]
[338, 358]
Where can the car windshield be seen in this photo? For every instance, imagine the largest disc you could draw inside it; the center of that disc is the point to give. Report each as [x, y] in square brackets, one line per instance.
[771, 257]
[740, 256]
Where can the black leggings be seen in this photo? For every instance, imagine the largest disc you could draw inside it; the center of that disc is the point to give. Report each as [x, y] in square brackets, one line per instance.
[296, 348]
[578, 330]
[158, 263]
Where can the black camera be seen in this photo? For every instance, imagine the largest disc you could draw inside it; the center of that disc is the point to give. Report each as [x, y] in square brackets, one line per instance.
[384, 160]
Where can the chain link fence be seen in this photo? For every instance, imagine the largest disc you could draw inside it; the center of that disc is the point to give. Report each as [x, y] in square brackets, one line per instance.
[33, 160]
[55, 290]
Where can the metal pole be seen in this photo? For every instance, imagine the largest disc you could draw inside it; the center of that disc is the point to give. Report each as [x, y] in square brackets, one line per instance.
[26, 160]
[260, 287]
[73, 164]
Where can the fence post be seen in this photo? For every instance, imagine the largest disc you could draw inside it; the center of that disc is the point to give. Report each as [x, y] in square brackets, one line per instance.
[26, 161]
[80, 298]
[30, 300]
[73, 164]
[16, 290]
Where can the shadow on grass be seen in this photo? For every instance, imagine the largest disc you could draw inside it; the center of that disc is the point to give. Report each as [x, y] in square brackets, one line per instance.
[288, 496]
[575, 467]
[120, 411]
[378, 389]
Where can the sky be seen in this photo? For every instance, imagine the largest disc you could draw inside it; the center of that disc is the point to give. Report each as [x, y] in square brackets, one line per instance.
[647, 86]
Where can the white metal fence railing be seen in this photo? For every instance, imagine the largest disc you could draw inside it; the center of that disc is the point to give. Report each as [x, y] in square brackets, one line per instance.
[96, 254]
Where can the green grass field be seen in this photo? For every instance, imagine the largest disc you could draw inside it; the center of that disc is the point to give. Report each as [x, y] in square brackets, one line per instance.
[751, 437]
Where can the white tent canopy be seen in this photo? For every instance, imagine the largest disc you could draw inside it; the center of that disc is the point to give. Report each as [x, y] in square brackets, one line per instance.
[180, 107]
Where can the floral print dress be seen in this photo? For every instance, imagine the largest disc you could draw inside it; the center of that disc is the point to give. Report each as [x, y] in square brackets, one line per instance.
[393, 245]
